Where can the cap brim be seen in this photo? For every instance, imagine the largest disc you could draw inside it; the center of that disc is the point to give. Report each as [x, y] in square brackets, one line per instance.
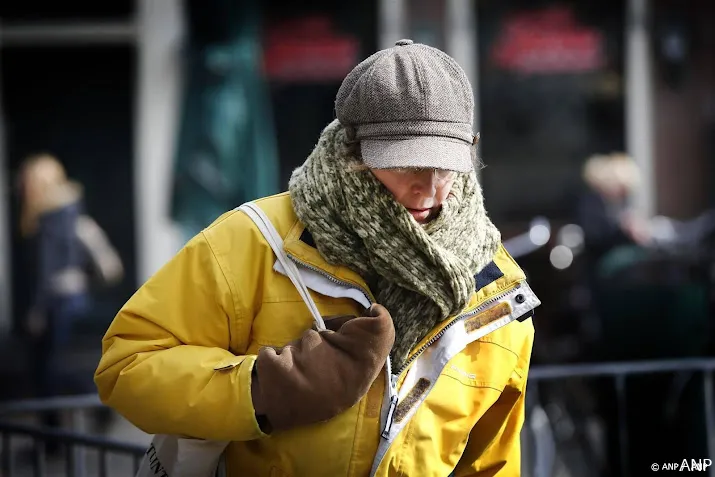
[425, 151]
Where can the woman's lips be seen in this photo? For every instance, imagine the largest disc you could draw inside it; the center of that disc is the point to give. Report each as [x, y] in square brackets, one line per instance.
[420, 215]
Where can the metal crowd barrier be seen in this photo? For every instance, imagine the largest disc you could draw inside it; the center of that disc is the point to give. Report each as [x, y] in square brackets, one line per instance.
[75, 442]
[621, 371]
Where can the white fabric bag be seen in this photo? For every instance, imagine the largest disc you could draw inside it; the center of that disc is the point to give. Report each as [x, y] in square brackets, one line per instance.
[174, 456]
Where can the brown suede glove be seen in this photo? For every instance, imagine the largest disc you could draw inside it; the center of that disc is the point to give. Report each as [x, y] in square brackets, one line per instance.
[323, 373]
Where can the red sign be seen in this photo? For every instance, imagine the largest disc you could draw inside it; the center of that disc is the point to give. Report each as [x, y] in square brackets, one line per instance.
[308, 50]
[548, 41]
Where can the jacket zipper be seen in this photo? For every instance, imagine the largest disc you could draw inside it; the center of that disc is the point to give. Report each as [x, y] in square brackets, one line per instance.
[332, 278]
[395, 378]
[392, 390]
[391, 379]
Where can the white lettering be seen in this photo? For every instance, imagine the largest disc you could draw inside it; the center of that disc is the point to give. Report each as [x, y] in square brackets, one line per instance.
[688, 465]
[464, 373]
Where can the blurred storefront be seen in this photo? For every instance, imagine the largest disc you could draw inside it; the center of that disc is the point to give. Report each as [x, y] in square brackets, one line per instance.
[555, 82]
[309, 47]
[68, 84]
[109, 88]
[552, 93]
[683, 44]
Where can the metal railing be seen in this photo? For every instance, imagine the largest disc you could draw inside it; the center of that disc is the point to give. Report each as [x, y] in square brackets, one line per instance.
[620, 372]
[75, 442]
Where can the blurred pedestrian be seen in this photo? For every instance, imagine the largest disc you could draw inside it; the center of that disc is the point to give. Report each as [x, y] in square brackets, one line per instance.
[66, 244]
[604, 210]
[386, 222]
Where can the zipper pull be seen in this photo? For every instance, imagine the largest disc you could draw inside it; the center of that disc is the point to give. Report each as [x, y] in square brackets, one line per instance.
[390, 416]
[392, 389]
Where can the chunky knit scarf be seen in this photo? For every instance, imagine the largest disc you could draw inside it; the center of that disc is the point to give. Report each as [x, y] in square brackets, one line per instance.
[421, 274]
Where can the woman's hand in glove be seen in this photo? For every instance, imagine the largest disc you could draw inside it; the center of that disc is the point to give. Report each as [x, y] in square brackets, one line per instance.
[323, 373]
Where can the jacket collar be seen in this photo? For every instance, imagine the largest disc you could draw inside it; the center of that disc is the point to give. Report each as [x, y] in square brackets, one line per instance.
[299, 245]
[499, 275]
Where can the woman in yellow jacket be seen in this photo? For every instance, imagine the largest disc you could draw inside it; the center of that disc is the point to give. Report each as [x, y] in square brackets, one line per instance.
[423, 369]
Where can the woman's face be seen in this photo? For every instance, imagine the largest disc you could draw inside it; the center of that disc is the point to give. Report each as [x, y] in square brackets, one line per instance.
[421, 191]
[40, 175]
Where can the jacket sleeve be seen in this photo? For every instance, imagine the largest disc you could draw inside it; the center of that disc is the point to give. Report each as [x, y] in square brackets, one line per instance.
[165, 362]
[494, 445]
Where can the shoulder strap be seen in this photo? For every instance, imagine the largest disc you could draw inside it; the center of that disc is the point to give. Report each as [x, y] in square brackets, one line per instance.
[276, 242]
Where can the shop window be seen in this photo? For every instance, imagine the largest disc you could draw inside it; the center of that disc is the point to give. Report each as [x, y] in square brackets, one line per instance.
[551, 94]
[329, 38]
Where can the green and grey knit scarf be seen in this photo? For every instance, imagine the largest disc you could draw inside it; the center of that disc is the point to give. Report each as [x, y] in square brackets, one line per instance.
[421, 274]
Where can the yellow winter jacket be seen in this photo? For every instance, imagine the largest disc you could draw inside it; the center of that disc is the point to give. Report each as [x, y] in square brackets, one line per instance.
[177, 359]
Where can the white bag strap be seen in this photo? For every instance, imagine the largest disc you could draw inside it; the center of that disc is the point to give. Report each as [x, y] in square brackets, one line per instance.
[276, 242]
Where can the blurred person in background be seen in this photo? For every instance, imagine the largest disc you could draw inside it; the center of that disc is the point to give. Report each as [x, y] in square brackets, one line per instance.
[615, 238]
[604, 211]
[70, 251]
[647, 300]
[387, 209]
[615, 235]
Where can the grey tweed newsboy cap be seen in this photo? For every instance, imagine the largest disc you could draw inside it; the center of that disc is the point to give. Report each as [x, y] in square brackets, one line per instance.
[409, 106]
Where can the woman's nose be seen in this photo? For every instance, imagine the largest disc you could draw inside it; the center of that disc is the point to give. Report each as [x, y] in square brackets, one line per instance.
[425, 183]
